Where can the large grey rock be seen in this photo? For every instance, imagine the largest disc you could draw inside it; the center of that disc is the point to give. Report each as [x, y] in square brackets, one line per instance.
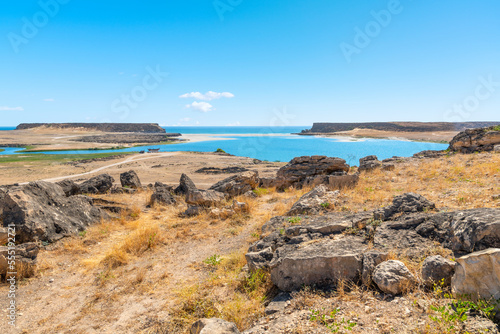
[162, 195]
[41, 211]
[477, 275]
[238, 184]
[259, 259]
[69, 187]
[369, 163]
[204, 198]
[186, 185]
[437, 270]
[476, 140]
[99, 184]
[213, 326]
[393, 277]
[314, 201]
[278, 304]
[321, 263]
[130, 179]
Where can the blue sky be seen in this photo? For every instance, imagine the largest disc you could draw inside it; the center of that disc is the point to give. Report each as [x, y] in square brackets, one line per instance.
[261, 62]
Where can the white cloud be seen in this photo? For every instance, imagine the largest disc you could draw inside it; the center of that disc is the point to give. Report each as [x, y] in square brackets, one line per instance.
[200, 106]
[233, 124]
[49, 100]
[208, 96]
[5, 108]
[185, 119]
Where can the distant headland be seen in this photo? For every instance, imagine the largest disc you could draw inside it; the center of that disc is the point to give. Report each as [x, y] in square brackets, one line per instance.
[104, 127]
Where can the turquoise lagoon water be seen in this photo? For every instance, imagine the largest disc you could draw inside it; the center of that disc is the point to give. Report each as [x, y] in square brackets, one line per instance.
[286, 147]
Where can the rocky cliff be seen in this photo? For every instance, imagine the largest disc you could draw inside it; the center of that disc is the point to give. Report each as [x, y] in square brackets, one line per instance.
[397, 126]
[105, 127]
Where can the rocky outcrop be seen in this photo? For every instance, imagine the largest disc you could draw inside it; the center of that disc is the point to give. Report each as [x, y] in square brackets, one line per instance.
[393, 277]
[321, 263]
[237, 184]
[318, 199]
[130, 179]
[205, 198]
[186, 185]
[213, 326]
[312, 171]
[105, 127]
[100, 184]
[476, 140]
[477, 275]
[41, 211]
[69, 187]
[369, 163]
[437, 270]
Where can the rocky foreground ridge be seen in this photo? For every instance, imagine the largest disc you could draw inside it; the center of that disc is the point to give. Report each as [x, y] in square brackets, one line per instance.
[104, 127]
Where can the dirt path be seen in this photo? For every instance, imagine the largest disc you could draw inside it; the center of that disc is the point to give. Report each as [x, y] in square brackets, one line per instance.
[131, 159]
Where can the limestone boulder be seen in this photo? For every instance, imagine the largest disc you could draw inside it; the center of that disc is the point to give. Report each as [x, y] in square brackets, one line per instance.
[205, 198]
[393, 277]
[238, 184]
[476, 140]
[325, 262]
[477, 275]
[69, 187]
[437, 270]
[315, 201]
[404, 204]
[369, 163]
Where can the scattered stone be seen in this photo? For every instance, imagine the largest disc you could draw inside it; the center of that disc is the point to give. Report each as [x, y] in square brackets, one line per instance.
[226, 170]
[162, 197]
[393, 277]
[278, 304]
[259, 259]
[192, 211]
[222, 213]
[317, 200]
[240, 206]
[213, 326]
[371, 260]
[437, 270]
[186, 186]
[69, 187]
[121, 190]
[477, 275]
[130, 179]
[238, 184]
[250, 194]
[97, 185]
[26, 255]
[42, 212]
[205, 198]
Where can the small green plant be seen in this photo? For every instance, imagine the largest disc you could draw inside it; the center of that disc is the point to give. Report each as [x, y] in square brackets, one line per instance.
[294, 220]
[82, 234]
[330, 321]
[255, 235]
[260, 191]
[220, 150]
[496, 128]
[369, 189]
[352, 230]
[213, 260]
[325, 205]
[282, 231]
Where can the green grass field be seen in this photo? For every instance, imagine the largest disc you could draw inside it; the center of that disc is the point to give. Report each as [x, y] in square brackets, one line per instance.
[56, 157]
